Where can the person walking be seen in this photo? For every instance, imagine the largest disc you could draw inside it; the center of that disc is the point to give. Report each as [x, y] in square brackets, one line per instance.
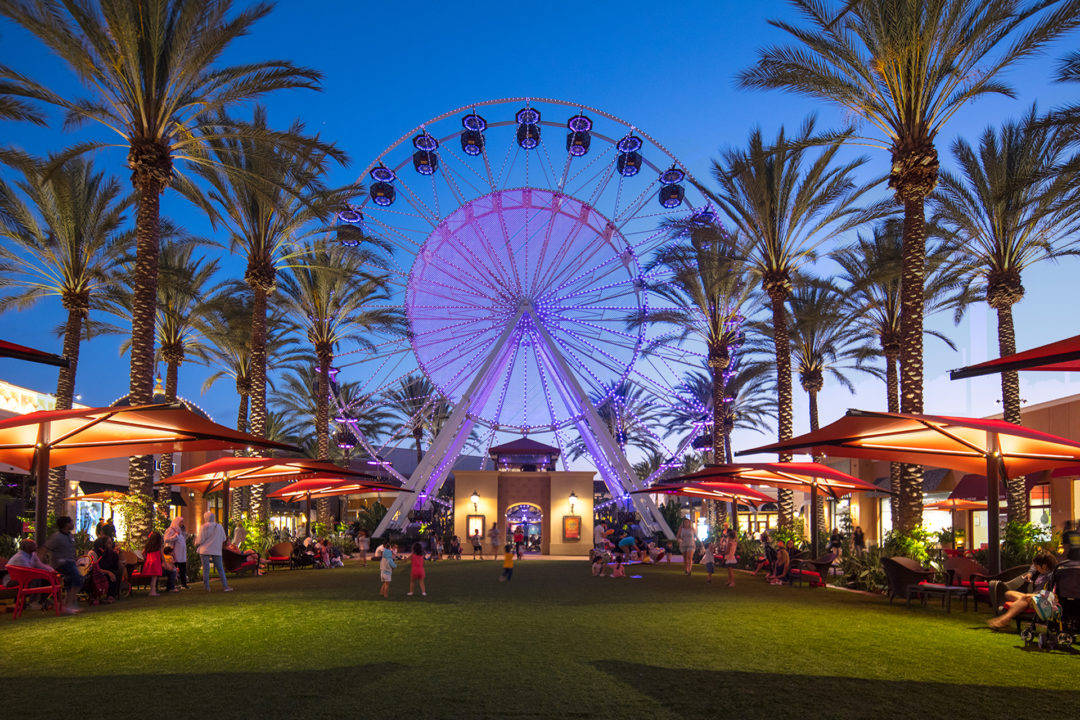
[416, 572]
[519, 542]
[685, 537]
[730, 545]
[858, 541]
[176, 538]
[508, 563]
[493, 535]
[208, 542]
[386, 568]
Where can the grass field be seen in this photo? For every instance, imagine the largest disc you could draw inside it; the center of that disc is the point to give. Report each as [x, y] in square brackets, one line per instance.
[554, 642]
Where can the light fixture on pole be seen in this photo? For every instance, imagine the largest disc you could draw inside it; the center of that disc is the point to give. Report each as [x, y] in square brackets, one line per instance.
[475, 500]
[573, 500]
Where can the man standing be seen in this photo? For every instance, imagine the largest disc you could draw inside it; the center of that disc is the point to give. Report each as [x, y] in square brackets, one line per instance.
[61, 549]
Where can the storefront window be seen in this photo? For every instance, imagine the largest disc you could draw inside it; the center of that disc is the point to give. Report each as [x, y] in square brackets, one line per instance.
[1039, 504]
[885, 526]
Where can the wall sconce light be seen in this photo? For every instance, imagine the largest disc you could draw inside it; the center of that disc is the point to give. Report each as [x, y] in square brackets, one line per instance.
[475, 500]
[573, 499]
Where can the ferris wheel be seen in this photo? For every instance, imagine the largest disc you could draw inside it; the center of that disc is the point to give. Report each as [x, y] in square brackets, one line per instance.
[519, 229]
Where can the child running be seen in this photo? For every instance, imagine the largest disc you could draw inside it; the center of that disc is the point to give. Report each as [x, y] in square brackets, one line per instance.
[508, 563]
[416, 575]
[386, 569]
[709, 560]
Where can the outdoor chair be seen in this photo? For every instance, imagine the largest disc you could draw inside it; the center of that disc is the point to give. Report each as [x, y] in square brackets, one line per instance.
[237, 564]
[901, 573]
[136, 578]
[980, 583]
[997, 589]
[815, 572]
[34, 581]
[280, 555]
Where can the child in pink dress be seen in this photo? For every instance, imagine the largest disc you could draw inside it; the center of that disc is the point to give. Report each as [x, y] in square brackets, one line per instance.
[416, 574]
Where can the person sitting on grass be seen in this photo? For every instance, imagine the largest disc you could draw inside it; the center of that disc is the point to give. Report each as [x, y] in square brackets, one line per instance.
[781, 567]
[61, 548]
[620, 569]
[416, 573]
[508, 563]
[386, 568]
[598, 565]
[108, 562]
[1042, 569]
[656, 553]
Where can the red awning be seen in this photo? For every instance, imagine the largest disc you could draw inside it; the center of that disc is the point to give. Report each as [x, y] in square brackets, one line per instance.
[722, 491]
[792, 476]
[957, 443]
[241, 471]
[21, 352]
[313, 488]
[973, 487]
[1060, 356]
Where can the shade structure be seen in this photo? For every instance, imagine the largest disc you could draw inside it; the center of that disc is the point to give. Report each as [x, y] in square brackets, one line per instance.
[1060, 356]
[21, 352]
[242, 471]
[973, 487]
[314, 488]
[809, 477]
[109, 497]
[41, 440]
[956, 504]
[725, 492]
[972, 445]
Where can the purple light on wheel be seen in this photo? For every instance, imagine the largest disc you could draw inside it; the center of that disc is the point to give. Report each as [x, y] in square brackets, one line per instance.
[351, 215]
[527, 116]
[383, 174]
[472, 142]
[671, 196]
[672, 176]
[528, 136]
[425, 142]
[382, 194]
[425, 162]
[579, 123]
[704, 217]
[629, 164]
[628, 144]
[577, 143]
[474, 123]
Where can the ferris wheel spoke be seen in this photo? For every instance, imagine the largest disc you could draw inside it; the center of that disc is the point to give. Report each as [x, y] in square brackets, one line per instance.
[466, 276]
[600, 162]
[555, 419]
[616, 363]
[417, 204]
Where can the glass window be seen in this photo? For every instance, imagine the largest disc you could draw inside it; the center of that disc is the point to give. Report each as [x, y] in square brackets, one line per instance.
[1039, 504]
[886, 518]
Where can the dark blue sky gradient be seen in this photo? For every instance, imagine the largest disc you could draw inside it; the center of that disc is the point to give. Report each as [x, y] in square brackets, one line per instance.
[666, 67]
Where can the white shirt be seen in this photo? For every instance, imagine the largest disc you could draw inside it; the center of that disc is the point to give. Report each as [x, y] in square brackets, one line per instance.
[178, 539]
[211, 538]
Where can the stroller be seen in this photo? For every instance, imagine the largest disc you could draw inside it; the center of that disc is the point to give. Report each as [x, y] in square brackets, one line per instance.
[1057, 627]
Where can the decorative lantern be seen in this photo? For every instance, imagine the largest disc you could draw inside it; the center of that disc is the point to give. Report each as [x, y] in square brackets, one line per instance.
[475, 500]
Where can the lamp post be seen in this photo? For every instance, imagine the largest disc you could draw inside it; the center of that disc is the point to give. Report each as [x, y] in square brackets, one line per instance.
[475, 498]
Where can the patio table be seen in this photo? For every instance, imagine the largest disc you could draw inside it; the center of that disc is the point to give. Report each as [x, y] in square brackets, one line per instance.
[922, 590]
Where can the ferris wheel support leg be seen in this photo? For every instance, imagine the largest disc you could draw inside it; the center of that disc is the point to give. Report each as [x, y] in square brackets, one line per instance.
[437, 462]
[614, 468]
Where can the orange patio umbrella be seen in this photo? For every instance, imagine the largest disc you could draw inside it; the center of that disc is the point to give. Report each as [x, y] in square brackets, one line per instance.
[972, 445]
[724, 492]
[806, 477]
[314, 488]
[41, 440]
[954, 505]
[241, 471]
[109, 497]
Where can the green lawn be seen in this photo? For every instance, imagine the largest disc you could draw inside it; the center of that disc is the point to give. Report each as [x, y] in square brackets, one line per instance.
[554, 642]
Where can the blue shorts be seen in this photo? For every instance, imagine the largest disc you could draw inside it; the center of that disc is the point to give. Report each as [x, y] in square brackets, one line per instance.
[710, 568]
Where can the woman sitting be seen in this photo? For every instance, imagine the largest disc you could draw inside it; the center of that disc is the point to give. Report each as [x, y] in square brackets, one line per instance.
[1042, 569]
[108, 562]
[782, 566]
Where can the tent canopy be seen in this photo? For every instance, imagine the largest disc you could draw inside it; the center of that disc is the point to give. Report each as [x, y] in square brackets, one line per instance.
[86, 434]
[792, 476]
[109, 497]
[957, 443]
[315, 488]
[1060, 356]
[241, 471]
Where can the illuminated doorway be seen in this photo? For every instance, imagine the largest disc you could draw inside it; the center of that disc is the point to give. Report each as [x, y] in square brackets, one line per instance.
[529, 519]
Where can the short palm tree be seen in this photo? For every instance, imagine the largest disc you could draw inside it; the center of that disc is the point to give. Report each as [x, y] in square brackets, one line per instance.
[154, 69]
[786, 199]
[416, 403]
[630, 413]
[65, 242]
[905, 67]
[269, 208]
[329, 299]
[1011, 204]
[701, 282]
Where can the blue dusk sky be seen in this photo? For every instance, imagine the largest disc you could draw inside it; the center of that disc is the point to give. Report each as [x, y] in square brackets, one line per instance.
[668, 68]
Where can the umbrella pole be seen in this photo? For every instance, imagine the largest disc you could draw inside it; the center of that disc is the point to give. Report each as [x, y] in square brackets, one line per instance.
[41, 477]
[735, 515]
[227, 501]
[307, 515]
[813, 519]
[993, 478]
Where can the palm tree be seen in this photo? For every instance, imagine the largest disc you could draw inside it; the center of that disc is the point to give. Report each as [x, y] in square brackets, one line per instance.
[416, 402]
[785, 201]
[905, 67]
[65, 243]
[13, 107]
[269, 208]
[871, 270]
[329, 299]
[154, 68]
[1010, 206]
[629, 413]
[701, 280]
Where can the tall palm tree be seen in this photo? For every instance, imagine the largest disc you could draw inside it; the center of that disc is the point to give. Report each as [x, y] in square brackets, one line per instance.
[701, 281]
[824, 342]
[65, 241]
[157, 83]
[415, 402]
[268, 209]
[786, 199]
[13, 107]
[1012, 204]
[629, 412]
[330, 299]
[905, 67]
[871, 272]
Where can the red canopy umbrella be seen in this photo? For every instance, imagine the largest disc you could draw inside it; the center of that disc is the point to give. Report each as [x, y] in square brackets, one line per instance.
[21, 352]
[41, 440]
[726, 492]
[315, 488]
[998, 448]
[807, 477]
[241, 471]
[1060, 356]
[955, 504]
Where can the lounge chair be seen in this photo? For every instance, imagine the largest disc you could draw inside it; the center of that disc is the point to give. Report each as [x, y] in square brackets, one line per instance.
[980, 583]
[815, 572]
[901, 573]
[280, 555]
[237, 564]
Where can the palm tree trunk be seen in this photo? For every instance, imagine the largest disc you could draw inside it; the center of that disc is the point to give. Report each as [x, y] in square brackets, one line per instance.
[717, 508]
[785, 500]
[65, 395]
[819, 499]
[172, 372]
[418, 438]
[149, 186]
[892, 393]
[1015, 487]
[912, 278]
[322, 424]
[257, 399]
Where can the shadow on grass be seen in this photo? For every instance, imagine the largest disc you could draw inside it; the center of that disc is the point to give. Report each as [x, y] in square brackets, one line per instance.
[339, 692]
[711, 693]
